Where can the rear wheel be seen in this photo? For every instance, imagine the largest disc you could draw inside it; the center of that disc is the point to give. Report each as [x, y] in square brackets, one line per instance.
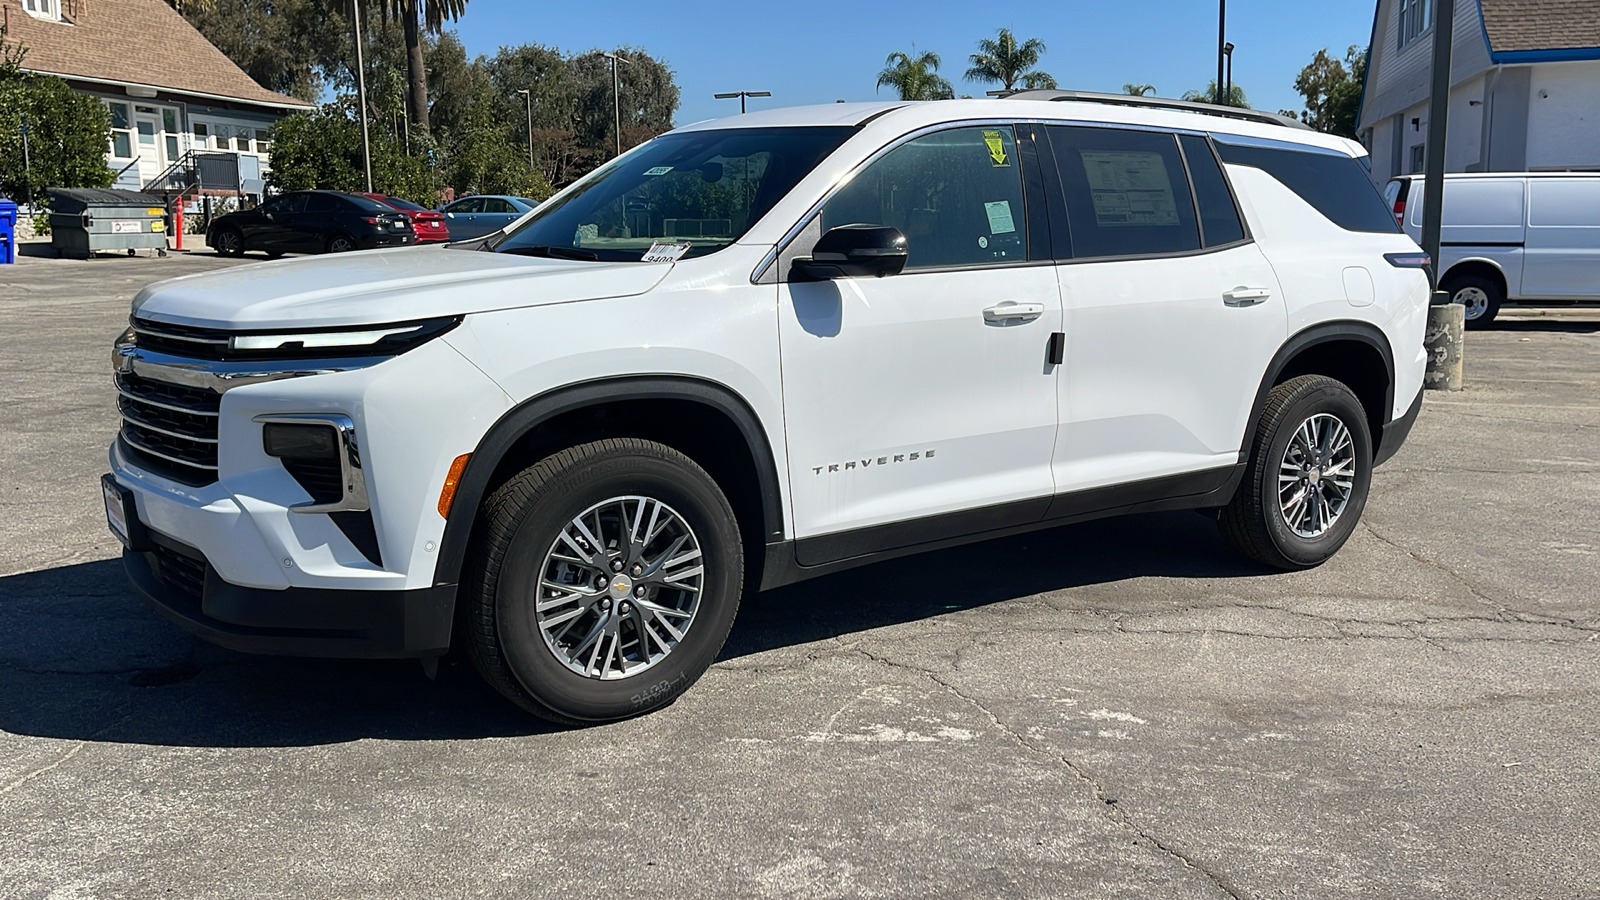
[228, 242]
[606, 583]
[341, 243]
[1481, 296]
[1306, 480]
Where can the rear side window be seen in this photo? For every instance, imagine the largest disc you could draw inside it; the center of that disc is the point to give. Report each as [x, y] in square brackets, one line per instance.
[1337, 186]
[1219, 216]
[1126, 192]
[496, 205]
[321, 203]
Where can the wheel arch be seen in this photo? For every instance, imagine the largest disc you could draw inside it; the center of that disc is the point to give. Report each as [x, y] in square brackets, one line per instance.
[1478, 265]
[724, 421]
[1353, 352]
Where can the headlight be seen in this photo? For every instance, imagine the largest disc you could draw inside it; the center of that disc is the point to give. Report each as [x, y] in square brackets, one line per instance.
[361, 340]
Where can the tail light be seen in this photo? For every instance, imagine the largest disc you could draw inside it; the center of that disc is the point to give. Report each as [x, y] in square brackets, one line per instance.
[1408, 260]
[1400, 212]
[373, 220]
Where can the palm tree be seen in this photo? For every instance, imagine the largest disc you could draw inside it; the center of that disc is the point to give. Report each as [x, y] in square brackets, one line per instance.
[915, 78]
[1210, 95]
[1006, 62]
[414, 16]
[1039, 81]
[1138, 90]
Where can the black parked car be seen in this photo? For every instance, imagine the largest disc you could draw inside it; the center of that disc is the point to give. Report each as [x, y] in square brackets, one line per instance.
[311, 222]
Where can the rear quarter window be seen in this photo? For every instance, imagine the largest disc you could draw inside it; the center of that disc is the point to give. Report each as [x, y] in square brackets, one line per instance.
[1336, 185]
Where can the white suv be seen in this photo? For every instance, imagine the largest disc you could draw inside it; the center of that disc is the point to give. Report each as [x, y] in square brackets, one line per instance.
[757, 350]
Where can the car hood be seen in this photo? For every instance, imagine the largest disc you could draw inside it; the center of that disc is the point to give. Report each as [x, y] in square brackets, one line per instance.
[383, 286]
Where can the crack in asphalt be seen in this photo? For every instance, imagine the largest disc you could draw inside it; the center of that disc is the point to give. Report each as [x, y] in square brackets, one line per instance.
[1114, 812]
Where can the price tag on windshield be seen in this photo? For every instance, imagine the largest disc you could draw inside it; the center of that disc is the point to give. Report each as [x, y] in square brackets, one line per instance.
[665, 252]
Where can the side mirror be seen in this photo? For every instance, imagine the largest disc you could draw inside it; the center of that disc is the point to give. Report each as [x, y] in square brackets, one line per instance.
[854, 251]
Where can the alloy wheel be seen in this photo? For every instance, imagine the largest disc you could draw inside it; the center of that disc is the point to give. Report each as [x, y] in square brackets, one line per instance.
[1317, 475]
[619, 587]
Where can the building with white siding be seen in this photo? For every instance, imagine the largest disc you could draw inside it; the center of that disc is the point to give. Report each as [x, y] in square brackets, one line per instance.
[1524, 87]
[169, 90]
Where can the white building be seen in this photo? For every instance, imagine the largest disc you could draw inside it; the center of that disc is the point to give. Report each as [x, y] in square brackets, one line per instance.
[1524, 87]
[170, 91]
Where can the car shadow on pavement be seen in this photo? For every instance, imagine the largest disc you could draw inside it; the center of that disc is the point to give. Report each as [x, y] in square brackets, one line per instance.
[1548, 324]
[82, 658]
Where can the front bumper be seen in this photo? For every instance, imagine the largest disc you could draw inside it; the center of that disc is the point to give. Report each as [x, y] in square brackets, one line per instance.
[177, 581]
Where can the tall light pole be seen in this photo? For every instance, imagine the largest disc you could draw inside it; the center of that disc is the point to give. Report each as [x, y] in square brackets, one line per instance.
[1222, 41]
[361, 95]
[1438, 110]
[741, 95]
[529, 95]
[1227, 91]
[616, 93]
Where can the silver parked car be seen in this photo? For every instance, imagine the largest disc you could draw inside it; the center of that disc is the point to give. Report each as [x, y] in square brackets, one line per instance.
[483, 214]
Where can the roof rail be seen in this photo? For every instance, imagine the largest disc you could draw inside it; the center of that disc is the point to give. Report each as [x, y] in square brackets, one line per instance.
[1208, 109]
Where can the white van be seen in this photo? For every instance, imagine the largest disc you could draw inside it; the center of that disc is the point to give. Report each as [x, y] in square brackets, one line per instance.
[1510, 236]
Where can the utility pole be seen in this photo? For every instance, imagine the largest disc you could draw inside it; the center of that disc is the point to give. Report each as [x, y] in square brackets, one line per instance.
[741, 95]
[529, 94]
[1227, 91]
[1438, 109]
[616, 93]
[361, 95]
[27, 162]
[1222, 40]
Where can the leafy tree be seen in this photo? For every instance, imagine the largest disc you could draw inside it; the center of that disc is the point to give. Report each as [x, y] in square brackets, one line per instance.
[1211, 95]
[415, 16]
[322, 149]
[915, 78]
[282, 44]
[1138, 90]
[1333, 91]
[1005, 62]
[484, 160]
[68, 132]
[649, 97]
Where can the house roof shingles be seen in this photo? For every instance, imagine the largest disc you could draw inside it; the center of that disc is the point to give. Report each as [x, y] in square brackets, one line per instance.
[136, 42]
[1520, 25]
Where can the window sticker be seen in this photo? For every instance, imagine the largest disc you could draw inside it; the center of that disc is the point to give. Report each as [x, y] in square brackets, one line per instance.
[662, 251]
[658, 170]
[1130, 188]
[1000, 221]
[997, 148]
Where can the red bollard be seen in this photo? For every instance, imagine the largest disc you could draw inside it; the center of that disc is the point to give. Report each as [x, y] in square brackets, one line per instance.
[177, 223]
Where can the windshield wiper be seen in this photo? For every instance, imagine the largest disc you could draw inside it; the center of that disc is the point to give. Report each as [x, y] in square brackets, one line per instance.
[553, 252]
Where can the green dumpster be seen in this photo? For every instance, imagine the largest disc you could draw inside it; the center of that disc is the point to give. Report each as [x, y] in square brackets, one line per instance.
[85, 221]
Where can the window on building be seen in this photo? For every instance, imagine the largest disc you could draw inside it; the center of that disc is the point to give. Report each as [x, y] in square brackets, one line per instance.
[956, 195]
[202, 136]
[121, 131]
[1415, 18]
[241, 139]
[44, 9]
[1419, 158]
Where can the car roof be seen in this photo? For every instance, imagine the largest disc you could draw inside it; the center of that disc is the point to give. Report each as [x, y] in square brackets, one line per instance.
[904, 116]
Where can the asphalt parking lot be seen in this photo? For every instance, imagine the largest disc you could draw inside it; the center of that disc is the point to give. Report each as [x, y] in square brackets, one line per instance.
[1116, 709]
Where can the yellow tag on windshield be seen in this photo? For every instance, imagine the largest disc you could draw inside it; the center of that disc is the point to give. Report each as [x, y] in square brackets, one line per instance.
[997, 148]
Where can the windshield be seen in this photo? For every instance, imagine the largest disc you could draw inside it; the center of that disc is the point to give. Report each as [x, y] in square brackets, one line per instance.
[703, 187]
[401, 203]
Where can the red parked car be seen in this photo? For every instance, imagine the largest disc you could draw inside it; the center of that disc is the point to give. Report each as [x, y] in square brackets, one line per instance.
[427, 223]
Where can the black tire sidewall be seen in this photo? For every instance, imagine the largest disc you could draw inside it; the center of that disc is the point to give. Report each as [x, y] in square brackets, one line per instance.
[1334, 399]
[334, 241]
[1490, 290]
[236, 244]
[545, 678]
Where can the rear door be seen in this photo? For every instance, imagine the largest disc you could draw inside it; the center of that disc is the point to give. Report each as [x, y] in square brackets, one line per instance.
[1561, 257]
[497, 214]
[271, 225]
[316, 223]
[1172, 311]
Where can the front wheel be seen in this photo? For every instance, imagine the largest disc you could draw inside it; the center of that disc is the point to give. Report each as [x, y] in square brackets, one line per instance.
[1306, 480]
[228, 242]
[607, 580]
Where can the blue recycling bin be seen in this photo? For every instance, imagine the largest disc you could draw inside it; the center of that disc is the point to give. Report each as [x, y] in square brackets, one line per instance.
[8, 232]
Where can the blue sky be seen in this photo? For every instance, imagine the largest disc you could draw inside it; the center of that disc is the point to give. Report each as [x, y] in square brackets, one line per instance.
[822, 51]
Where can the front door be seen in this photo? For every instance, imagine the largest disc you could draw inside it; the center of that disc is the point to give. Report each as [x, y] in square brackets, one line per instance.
[1172, 318]
[917, 406]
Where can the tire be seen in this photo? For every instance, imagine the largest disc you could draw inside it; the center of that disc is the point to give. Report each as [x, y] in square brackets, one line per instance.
[228, 242]
[341, 243]
[1481, 296]
[537, 658]
[1263, 521]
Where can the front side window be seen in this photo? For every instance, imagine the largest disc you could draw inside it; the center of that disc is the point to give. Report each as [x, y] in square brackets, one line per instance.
[288, 203]
[469, 205]
[956, 195]
[705, 188]
[1127, 194]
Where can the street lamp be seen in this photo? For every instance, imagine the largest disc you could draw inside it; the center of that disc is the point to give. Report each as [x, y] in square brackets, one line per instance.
[616, 93]
[361, 95]
[741, 95]
[1227, 91]
[529, 95]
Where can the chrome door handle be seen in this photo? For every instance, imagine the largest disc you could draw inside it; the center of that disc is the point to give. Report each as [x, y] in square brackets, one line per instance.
[1242, 296]
[1009, 310]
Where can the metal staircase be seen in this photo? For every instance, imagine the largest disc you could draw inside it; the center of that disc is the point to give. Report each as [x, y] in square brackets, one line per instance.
[198, 172]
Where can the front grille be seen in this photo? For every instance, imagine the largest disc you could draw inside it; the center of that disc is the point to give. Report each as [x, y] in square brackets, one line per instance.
[170, 429]
[180, 571]
[181, 340]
